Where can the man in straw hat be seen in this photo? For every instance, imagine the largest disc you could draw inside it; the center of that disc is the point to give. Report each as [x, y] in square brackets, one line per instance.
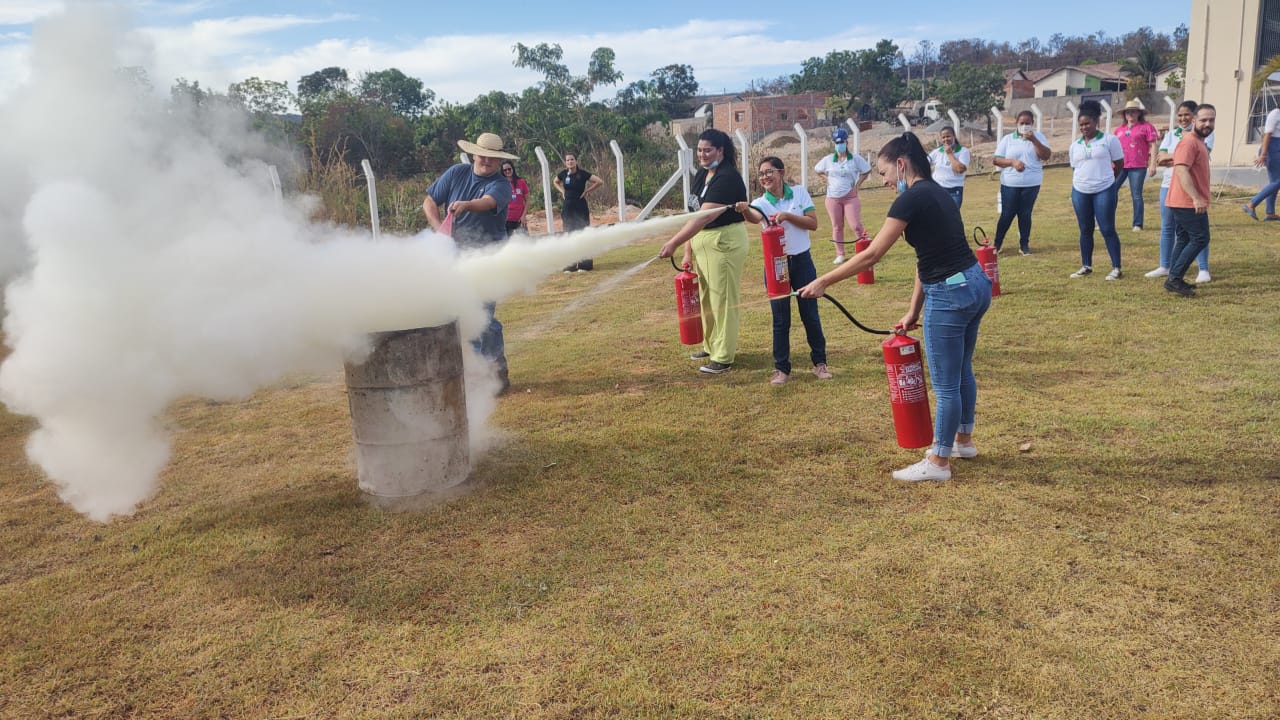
[476, 196]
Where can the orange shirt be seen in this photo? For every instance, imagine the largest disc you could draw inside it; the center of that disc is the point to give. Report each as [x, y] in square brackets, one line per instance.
[1192, 153]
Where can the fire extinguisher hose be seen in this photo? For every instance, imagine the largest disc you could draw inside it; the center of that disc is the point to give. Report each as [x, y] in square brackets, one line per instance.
[853, 319]
[672, 258]
[977, 230]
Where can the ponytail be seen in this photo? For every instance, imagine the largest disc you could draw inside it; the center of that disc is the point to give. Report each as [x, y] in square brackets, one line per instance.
[908, 147]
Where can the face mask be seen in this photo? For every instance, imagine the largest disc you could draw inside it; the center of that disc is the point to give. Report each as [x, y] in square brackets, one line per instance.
[841, 147]
[1024, 129]
[901, 185]
[714, 164]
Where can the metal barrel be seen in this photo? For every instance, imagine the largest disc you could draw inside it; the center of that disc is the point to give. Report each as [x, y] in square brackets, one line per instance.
[409, 415]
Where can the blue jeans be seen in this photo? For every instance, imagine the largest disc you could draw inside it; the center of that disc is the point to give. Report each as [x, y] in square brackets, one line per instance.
[952, 313]
[1192, 232]
[1016, 202]
[1097, 208]
[800, 267]
[1136, 178]
[490, 344]
[1268, 193]
[1166, 236]
[957, 194]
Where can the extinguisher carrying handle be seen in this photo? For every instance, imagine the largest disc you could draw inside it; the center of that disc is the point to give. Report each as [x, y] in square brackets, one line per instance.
[672, 258]
[853, 319]
[898, 329]
[977, 229]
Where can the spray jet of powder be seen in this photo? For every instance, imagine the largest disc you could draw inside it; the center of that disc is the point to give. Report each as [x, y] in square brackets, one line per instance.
[159, 271]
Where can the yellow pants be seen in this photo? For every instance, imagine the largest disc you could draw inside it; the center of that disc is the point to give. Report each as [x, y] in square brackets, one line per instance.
[718, 257]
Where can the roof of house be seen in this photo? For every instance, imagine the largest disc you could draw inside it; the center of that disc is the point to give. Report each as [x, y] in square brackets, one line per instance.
[1104, 71]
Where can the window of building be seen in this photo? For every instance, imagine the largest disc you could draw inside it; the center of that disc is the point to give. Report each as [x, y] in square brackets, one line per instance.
[739, 115]
[782, 115]
[1268, 31]
[1050, 93]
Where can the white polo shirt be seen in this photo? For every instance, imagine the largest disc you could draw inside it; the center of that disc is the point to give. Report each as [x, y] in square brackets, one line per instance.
[1170, 143]
[842, 175]
[1092, 160]
[1015, 147]
[1272, 123]
[942, 172]
[795, 199]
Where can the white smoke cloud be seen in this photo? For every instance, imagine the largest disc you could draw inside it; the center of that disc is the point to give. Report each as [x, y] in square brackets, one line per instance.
[153, 269]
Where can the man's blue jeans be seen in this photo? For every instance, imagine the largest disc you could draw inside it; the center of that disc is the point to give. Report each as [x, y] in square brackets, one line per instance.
[1192, 233]
[1136, 178]
[1166, 236]
[802, 272]
[1016, 202]
[490, 344]
[1268, 192]
[1096, 209]
[952, 313]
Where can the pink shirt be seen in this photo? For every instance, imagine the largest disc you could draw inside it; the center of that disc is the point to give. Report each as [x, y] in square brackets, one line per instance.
[519, 195]
[1136, 143]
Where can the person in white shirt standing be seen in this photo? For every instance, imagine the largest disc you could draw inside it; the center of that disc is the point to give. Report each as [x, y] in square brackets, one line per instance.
[950, 162]
[844, 172]
[791, 206]
[1021, 155]
[1096, 161]
[1268, 156]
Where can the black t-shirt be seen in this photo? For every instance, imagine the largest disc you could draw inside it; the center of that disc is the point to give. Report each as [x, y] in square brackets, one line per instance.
[725, 188]
[935, 229]
[573, 184]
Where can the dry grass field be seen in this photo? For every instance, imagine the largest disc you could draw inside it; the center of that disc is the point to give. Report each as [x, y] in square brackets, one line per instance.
[649, 542]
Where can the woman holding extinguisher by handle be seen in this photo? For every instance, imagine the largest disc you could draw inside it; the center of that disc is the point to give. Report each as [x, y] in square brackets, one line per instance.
[791, 207]
[951, 291]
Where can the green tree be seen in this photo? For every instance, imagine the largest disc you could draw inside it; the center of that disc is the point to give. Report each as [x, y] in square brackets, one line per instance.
[397, 92]
[258, 96]
[1145, 64]
[971, 90]
[864, 77]
[322, 87]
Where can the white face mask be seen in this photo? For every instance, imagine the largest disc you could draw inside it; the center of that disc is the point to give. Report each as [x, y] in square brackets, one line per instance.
[1024, 129]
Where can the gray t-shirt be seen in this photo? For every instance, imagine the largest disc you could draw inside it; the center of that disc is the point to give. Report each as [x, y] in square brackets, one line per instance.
[460, 182]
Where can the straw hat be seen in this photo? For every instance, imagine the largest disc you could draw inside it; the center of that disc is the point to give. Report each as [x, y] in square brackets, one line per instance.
[488, 145]
[1134, 105]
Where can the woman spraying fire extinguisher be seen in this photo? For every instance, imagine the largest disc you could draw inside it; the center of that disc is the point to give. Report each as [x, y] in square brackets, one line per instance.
[950, 287]
[792, 208]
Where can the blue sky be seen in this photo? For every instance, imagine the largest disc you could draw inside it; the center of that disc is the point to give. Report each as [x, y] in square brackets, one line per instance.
[461, 50]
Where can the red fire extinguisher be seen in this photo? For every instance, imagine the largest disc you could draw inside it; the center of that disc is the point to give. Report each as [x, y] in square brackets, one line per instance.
[987, 258]
[868, 276]
[688, 308]
[908, 394]
[777, 277]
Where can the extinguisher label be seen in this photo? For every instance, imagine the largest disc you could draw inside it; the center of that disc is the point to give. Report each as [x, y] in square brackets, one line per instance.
[780, 268]
[906, 383]
[907, 350]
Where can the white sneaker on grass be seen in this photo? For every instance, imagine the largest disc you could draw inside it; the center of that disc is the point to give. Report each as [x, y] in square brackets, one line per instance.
[1115, 274]
[1203, 277]
[1161, 271]
[839, 259]
[922, 471]
[962, 450]
[1082, 272]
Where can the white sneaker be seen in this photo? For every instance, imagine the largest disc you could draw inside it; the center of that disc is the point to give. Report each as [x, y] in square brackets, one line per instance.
[1203, 277]
[1086, 270]
[962, 450]
[1161, 271]
[1137, 228]
[1115, 274]
[839, 259]
[923, 470]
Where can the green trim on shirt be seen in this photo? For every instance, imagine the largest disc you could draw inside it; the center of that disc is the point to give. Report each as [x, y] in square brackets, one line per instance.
[786, 195]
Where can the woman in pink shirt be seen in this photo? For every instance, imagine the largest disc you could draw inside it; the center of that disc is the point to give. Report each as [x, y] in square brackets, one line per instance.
[519, 197]
[1138, 138]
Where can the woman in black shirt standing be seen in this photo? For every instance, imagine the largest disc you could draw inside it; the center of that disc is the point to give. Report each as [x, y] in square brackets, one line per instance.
[574, 185]
[717, 248]
[950, 286]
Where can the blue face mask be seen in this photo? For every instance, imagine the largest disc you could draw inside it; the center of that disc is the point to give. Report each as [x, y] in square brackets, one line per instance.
[902, 186]
[714, 164]
[841, 147]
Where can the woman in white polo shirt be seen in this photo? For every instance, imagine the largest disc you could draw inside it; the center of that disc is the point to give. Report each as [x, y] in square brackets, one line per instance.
[1021, 155]
[844, 172]
[791, 206]
[1096, 161]
[950, 162]
[1269, 157]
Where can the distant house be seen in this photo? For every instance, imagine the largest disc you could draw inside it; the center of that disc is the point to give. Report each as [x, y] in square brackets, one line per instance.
[1081, 80]
[1020, 84]
[758, 116]
[1162, 78]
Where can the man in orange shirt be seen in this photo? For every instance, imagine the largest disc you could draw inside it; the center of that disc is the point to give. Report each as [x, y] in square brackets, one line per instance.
[1189, 200]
